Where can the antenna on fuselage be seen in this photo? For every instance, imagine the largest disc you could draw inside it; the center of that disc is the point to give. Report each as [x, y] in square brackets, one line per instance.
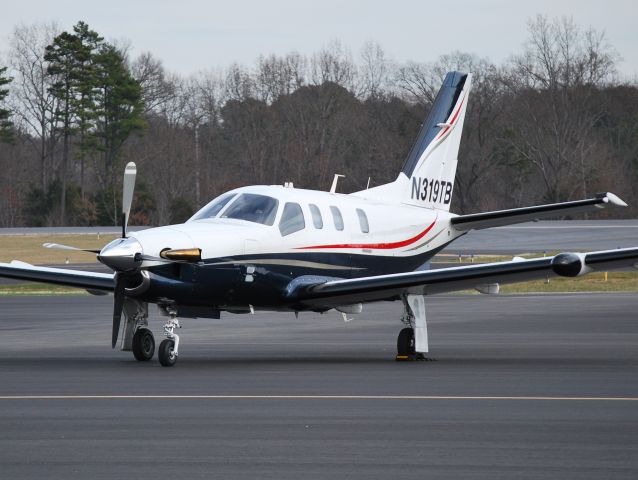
[333, 188]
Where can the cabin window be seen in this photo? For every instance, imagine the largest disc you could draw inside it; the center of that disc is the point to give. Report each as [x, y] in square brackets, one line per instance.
[317, 221]
[291, 219]
[363, 221]
[213, 208]
[253, 208]
[338, 219]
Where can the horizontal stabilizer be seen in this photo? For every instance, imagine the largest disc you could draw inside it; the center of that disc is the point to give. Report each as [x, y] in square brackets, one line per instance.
[477, 221]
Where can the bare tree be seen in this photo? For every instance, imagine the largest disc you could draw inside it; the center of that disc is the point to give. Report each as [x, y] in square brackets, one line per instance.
[554, 107]
[33, 103]
[333, 63]
[157, 87]
[419, 82]
[277, 76]
[240, 85]
[374, 71]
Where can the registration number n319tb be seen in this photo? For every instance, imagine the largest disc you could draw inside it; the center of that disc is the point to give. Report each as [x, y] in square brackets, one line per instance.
[430, 190]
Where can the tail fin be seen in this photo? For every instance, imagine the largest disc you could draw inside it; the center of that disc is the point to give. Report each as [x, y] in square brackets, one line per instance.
[427, 176]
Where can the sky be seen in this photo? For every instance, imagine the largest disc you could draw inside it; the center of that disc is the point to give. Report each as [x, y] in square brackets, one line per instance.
[194, 35]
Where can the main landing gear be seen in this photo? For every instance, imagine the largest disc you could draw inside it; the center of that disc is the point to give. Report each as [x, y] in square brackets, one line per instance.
[405, 344]
[412, 341]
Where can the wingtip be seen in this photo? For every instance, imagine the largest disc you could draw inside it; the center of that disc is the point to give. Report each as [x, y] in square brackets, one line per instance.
[615, 200]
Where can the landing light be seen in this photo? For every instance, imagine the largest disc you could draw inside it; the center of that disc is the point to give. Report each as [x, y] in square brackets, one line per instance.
[185, 254]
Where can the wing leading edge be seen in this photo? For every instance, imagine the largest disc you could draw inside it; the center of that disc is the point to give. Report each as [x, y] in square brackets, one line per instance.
[477, 221]
[58, 276]
[312, 292]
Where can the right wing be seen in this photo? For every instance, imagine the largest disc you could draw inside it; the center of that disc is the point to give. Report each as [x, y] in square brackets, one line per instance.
[58, 276]
[319, 292]
[477, 221]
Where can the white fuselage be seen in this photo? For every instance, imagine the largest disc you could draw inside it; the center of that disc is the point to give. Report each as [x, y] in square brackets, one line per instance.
[393, 231]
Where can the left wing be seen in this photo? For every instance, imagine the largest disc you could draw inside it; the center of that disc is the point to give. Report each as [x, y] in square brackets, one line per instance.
[311, 292]
[58, 276]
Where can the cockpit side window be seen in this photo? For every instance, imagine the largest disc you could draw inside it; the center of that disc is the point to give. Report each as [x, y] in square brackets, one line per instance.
[253, 208]
[338, 219]
[317, 221]
[213, 208]
[363, 221]
[291, 219]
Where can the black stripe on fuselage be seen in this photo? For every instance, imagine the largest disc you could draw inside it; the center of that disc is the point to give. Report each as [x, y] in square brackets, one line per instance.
[261, 279]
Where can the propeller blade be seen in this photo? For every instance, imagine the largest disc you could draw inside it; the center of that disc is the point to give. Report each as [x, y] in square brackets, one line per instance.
[58, 246]
[118, 306]
[128, 187]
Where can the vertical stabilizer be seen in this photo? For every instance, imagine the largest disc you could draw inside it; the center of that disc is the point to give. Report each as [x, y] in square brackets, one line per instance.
[427, 176]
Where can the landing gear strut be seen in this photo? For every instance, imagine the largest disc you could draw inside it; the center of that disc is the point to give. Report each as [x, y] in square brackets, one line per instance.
[168, 352]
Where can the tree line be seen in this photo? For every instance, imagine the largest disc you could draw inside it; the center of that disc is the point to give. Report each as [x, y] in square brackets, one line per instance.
[553, 122]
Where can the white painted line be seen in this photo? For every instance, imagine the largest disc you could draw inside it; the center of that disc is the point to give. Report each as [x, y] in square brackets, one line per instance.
[319, 397]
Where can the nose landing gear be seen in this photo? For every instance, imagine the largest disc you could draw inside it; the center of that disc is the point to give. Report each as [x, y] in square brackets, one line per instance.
[168, 349]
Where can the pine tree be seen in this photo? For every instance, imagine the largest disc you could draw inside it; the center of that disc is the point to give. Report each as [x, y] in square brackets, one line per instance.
[85, 84]
[119, 111]
[70, 58]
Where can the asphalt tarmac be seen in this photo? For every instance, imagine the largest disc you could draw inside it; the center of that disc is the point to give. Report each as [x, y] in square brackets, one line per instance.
[516, 387]
[564, 236]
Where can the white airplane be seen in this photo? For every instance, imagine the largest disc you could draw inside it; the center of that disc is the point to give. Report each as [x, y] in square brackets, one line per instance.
[288, 249]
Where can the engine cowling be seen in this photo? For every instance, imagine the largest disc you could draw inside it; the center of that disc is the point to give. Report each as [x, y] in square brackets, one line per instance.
[570, 265]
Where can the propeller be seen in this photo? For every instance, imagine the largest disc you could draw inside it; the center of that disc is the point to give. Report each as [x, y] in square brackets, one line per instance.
[118, 305]
[128, 186]
[59, 246]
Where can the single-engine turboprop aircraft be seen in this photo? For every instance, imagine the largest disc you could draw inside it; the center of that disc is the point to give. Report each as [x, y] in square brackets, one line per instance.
[288, 249]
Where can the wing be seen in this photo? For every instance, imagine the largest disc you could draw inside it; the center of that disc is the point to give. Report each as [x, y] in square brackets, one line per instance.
[313, 292]
[476, 221]
[58, 276]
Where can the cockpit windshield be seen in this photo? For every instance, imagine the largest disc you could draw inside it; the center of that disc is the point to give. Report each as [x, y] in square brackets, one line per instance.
[253, 208]
[213, 208]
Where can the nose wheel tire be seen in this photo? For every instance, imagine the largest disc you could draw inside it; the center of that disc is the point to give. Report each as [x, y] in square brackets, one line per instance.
[143, 345]
[405, 344]
[166, 353]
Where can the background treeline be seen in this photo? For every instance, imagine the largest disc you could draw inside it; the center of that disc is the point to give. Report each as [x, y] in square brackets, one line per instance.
[552, 123]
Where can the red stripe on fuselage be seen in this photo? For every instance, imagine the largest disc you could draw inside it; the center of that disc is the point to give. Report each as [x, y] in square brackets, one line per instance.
[376, 246]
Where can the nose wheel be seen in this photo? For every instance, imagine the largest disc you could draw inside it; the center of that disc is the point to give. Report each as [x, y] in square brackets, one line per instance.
[168, 352]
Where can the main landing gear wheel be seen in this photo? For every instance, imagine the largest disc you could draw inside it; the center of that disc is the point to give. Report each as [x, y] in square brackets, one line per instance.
[166, 353]
[405, 345]
[143, 345]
